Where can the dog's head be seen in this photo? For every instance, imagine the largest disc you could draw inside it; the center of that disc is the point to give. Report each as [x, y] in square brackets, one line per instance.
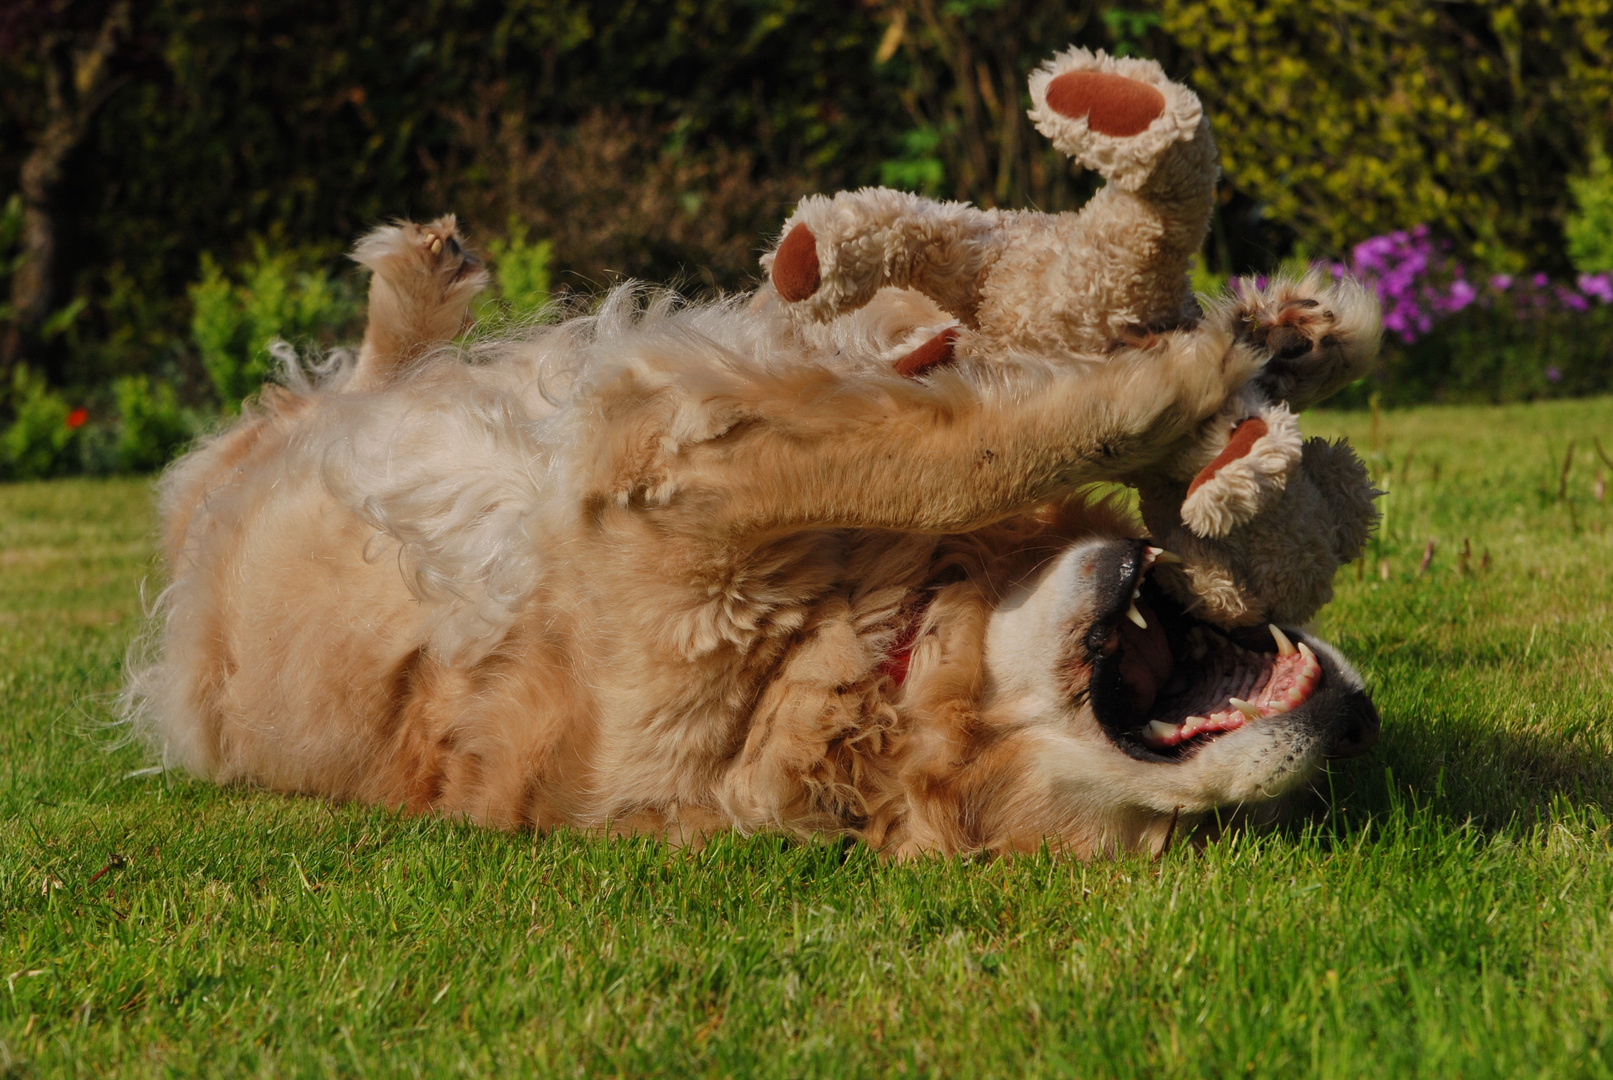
[1126, 707]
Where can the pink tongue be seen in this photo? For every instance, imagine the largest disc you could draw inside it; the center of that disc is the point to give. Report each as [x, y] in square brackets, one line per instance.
[1145, 661]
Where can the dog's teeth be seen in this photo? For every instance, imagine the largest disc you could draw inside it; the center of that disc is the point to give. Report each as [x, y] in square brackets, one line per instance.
[436, 245]
[1137, 617]
[1160, 555]
[1251, 711]
[1313, 666]
[1159, 730]
[1284, 646]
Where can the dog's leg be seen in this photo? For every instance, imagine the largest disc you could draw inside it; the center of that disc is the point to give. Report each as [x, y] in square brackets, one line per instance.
[837, 252]
[420, 295]
[940, 457]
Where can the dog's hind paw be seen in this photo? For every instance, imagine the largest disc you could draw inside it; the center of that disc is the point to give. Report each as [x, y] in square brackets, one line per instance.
[425, 279]
[405, 252]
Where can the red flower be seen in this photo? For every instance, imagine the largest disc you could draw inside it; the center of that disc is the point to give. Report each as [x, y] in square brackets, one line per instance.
[76, 418]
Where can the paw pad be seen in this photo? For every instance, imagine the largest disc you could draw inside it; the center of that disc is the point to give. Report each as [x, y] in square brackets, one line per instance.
[1112, 104]
[795, 265]
[933, 353]
[1244, 437]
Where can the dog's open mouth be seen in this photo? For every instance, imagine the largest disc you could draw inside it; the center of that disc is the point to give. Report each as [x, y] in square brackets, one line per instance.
[1164, 683]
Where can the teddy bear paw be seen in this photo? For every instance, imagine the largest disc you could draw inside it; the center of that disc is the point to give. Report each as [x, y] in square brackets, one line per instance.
[1317, 336]
[836, 252]
[1116, 115]
[1262, 450]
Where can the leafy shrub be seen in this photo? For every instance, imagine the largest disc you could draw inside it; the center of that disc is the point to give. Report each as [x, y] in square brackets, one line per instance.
[41, 440]
[11, 255]
[1451, 336]
[235, 322]
[1355, 116]
[520, 275]
[151, 425]
[1589, 229]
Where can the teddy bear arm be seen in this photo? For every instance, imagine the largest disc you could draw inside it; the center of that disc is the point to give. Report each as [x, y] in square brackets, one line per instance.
[837, 252]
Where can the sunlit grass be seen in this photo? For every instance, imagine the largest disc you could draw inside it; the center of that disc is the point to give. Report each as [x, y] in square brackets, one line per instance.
[1440, 907]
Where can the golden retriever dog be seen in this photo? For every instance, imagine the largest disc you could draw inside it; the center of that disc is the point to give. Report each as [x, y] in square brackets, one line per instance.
[675, 568]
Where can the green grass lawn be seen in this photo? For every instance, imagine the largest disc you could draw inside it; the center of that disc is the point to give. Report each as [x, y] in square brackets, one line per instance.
[1443, 907]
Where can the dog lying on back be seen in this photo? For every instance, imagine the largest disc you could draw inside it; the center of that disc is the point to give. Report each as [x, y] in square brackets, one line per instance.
[675, 568]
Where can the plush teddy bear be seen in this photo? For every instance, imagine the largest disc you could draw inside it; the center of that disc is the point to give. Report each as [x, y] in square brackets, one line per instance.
[1079, 284]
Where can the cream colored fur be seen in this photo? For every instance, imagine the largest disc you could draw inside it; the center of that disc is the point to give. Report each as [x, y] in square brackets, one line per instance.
[640, 571]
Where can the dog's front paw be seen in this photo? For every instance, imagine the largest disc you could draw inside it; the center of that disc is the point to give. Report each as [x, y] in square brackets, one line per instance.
[1317, 336]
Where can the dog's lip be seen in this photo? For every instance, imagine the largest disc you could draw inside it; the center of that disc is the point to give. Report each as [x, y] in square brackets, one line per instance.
[1163, 690]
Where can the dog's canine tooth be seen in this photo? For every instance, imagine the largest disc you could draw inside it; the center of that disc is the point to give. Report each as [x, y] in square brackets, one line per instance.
[436, 245]
[1249, 710]
[1137, 617]
[1159, 730]
[1313, 666]
[1160, 555]
[1284, 646]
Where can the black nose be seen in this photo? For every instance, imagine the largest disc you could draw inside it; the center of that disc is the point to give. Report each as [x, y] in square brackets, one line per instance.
[1358, 731]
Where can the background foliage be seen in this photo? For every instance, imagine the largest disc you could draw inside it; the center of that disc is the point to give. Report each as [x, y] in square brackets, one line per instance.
[209, 144]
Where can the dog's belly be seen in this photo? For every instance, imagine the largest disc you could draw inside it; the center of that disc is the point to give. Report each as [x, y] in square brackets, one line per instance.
[638, 683]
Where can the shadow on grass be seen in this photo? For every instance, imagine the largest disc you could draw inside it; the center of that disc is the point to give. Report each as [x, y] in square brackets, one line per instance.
[1478, 777]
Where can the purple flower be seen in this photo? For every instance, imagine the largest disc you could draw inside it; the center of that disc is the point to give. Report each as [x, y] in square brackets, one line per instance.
[1539, 281]
[1461, 295]
[1554, 374]
[1572, 300]
[1501, 282]
[1597, 285]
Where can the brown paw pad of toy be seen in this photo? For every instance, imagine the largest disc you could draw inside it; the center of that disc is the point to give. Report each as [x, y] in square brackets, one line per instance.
[1244, 437]
[795, 265]
[936, 352]
[1112, 104]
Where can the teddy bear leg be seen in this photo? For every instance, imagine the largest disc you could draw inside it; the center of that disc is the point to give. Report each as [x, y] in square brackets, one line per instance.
[1278, 566]
[837, 252]
[1316, 336]
[1262, 450]
[1149, 138]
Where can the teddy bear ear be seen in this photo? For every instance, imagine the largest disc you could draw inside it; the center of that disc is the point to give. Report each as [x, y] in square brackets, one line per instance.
[1111, 104]
[1250, 471]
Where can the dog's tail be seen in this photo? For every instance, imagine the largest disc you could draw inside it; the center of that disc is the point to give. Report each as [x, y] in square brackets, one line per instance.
[425, 279]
